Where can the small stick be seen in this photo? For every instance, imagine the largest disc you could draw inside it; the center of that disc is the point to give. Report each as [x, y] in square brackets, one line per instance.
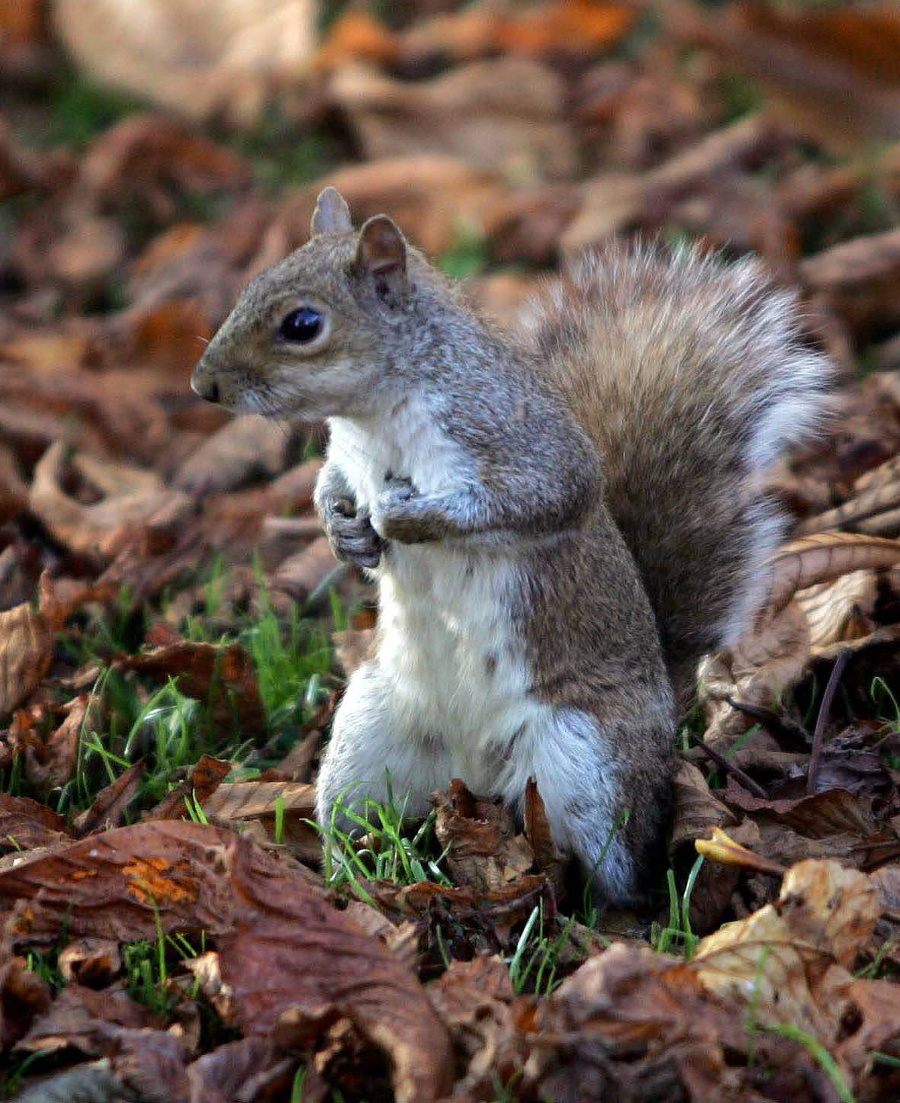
[729, 767]
[822, 719]
[770, 720]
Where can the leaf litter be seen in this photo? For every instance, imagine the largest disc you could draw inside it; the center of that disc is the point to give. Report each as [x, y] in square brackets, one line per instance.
[174, 632]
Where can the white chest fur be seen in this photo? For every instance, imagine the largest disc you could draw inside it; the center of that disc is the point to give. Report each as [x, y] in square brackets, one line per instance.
[447, 642]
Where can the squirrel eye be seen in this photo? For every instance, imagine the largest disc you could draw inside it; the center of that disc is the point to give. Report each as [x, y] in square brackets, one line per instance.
[301, 326]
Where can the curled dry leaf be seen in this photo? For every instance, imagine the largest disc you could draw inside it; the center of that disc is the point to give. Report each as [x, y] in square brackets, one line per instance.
[840, 610]
[475, 1000]
[292, 953]
[209, 976]
[79, 1018]
[271, 804]
[110, 804]
[761, 667]
[244, 449]
[196, 57]
[224, 671]
[131, 497]
[23, 996]
[630, 1024]
[479, 836]
[90, 961]
[696, 810]
[505, 114]
[720, 847]
[200, 784]
[51, 762]
[790, 958]
[243, 1070]
[26, 651]
[823, 557]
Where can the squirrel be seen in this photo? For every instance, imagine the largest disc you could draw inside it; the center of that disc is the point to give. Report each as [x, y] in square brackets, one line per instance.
[561, 523]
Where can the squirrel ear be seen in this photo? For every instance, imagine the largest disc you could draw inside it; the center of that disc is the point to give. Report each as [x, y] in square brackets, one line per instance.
[332, 215]
[381, 256]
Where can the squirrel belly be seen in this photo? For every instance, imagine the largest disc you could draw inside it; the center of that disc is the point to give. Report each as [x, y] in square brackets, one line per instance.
[560, 524]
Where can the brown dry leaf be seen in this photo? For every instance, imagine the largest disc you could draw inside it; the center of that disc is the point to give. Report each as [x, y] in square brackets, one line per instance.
[824, 557]
[196, 57]
[430, 196]
[479, 837]
[615, 201]
[132, 497]
[224, 671]
[121, 884]
[832, 73]
[547, 857]
[505, 114]
[790, 959]
[840, 610]
[248, 1069]
[90, 961]
[305, 574]
[203, 780]
[209, 976]
[23, 996]
[475, 1000]
[493, 914]
[295, 958]
[696, 810]
[816, 816]
[252, 799]
[50, 763]
[267, 803]
[761, 667]
[111, 803]
[26, 651]
[633, 1024]
[26, 824]
[243, 450]
[79, 1019]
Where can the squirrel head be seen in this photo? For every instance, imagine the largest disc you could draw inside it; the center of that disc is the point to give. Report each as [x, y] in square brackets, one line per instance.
[323, 332]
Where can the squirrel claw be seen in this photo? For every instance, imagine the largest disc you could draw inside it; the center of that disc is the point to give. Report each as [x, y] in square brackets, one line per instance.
[353, 540]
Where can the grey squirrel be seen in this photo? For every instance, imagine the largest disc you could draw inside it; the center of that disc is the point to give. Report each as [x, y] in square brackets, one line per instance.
[560, 523]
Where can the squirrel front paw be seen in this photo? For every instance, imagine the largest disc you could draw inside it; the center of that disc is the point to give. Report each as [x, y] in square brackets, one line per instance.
[351, 535]
[400, 513]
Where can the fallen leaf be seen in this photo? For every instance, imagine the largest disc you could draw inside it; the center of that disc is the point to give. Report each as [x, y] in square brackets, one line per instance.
[132, 496]
[123, 885]
[203, 780]
[111, 803]
[222, 674]
[92, 962]
[26, 824]
[292, 953]
[790, 958]
[26, 651]
[505, 114]
[478, 835]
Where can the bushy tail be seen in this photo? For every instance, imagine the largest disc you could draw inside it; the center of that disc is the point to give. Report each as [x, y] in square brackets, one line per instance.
[692, 376]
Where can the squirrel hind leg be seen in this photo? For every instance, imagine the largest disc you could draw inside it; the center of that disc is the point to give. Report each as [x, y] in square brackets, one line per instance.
[375, 753]
[606, 808]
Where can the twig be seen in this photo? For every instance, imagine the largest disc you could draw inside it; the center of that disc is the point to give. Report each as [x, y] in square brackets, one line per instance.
[822, 719]
[778, 725]
[729, 767]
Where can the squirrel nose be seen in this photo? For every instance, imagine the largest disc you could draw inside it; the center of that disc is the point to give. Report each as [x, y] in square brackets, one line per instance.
[206, 388]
